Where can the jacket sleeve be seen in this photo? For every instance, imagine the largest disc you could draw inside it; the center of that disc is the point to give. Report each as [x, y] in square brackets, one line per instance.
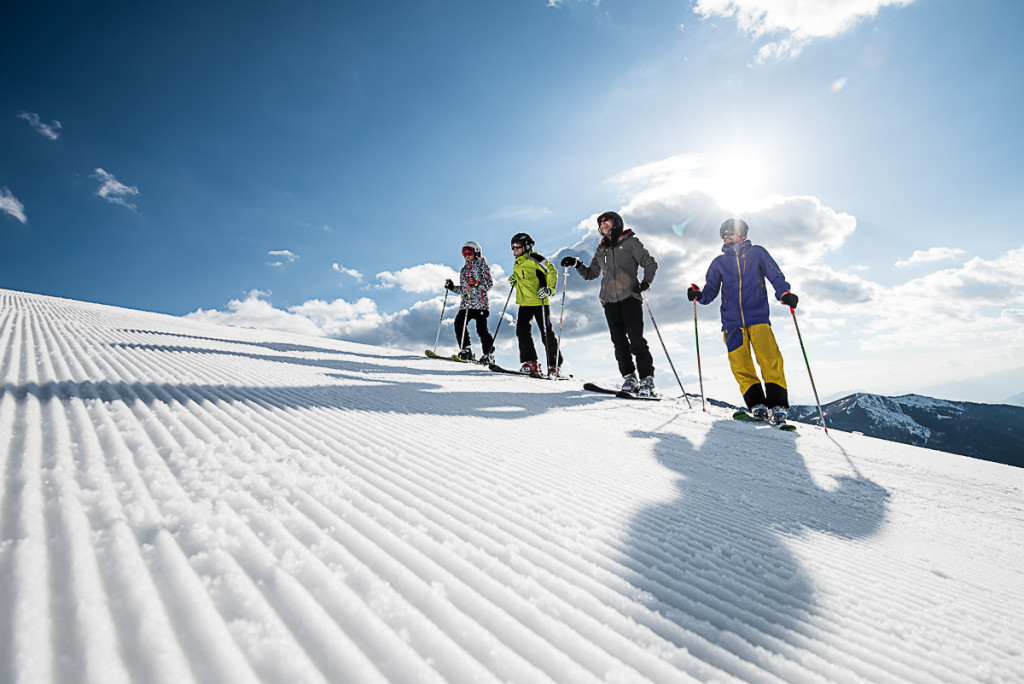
[712, 284]
[551, 274]
[485, 277]
[774, 274]
[547, 274]
[590, 272]
[646, 261]
[460, 288]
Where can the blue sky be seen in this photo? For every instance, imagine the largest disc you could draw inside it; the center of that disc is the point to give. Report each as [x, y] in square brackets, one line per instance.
[316, 166]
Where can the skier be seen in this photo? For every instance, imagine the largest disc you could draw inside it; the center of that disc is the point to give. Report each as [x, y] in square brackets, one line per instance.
[618, 259]
[535, 279]
[474, 282]
[739, 272]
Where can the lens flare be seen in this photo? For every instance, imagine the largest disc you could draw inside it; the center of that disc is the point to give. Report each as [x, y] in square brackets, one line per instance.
[838, 84]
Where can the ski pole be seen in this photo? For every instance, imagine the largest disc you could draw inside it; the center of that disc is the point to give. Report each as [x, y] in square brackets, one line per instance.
[444, 305]
[666, 351]
[561, 317]
[700, 375]
[800, 337]
[494, 343]
[544, 337]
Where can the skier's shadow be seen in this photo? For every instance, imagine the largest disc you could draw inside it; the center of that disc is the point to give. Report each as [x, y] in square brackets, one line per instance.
[714, 562]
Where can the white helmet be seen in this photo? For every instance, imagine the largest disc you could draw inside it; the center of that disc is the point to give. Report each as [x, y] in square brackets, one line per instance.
[473, 246]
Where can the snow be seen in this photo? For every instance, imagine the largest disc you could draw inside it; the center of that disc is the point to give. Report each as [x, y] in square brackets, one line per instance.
[186, 502]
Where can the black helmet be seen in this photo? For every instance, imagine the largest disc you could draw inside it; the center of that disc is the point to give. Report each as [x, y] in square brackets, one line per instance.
[523, 239]
[617, 224]
[735, 227]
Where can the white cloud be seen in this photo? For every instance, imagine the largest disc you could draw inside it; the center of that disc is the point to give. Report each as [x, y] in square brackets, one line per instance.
[255, 312]
[282, 257]
[50, 131]
[796, 22]
[10, 205]
[358, 321]
[417, 279]
[348, 271]
[930, 255]
[113, 190]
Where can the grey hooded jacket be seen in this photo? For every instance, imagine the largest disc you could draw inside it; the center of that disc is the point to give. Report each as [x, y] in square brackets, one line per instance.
[619, 264]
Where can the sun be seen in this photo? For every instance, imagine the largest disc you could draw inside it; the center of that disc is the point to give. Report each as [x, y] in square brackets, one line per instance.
[737, 179]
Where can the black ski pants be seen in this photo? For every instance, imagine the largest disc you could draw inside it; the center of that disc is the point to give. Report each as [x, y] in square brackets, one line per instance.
[524, 331]
[462, 329]
[626, 325]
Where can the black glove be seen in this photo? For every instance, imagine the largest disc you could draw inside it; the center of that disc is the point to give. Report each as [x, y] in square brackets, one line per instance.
[570, 262]
[644, 286]
[449, 285]
[789, 299]
[693, 293]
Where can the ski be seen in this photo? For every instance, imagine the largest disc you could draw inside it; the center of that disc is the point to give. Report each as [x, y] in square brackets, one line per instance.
[498, 369]
[745, 417]
[434, 355]
[540, 376]
[591, 387]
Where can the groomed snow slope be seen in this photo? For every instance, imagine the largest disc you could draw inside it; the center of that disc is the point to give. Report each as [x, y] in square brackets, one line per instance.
[187, 502]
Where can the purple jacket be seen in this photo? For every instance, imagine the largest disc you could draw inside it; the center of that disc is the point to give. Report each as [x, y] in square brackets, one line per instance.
[739, 272]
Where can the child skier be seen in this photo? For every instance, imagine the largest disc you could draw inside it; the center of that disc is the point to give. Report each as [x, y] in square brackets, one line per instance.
[740, 272]
[617, 260]
[535, 279]
[474, 282]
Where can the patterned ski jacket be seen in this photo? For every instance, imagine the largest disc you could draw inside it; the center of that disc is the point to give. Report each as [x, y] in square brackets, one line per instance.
[474, 296]
[619, 264]
[532, 272]
[739, 272]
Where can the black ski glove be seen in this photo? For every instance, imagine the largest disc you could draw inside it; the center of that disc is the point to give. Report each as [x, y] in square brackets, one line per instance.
[570, 262]
[693, 293]
[449, 285]
[789, 299]
[644, 286]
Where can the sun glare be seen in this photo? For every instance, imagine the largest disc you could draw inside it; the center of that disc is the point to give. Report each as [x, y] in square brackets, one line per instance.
[737, 180]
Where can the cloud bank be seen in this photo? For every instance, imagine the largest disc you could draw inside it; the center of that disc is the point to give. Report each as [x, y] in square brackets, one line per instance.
[891, 335]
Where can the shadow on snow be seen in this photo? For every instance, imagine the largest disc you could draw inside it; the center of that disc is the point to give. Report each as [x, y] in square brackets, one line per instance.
[714, 562]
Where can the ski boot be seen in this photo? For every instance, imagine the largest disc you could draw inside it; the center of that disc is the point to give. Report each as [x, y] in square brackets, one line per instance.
[646, 388]
[487, 359]
[759, 412]
[778, 416]
[530, 367]
[630, 383]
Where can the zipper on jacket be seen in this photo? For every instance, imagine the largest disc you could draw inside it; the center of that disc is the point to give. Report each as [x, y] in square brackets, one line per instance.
[739, 273]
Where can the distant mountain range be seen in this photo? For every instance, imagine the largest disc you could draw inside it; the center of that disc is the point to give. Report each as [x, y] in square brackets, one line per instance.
[992, 432]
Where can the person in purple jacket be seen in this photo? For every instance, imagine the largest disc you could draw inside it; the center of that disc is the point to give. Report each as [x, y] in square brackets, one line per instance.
[740, 272]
